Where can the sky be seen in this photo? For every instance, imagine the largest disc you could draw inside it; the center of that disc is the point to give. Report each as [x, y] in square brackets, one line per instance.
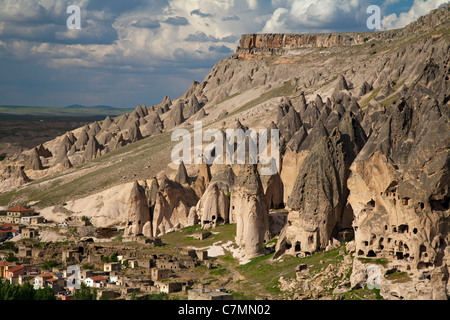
[138, 51]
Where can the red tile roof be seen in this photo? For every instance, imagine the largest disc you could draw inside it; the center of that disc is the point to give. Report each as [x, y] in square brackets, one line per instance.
[20, 209]
[46, 275]
[99, 278]
[4, 263]
[7, 225]
[16, 268]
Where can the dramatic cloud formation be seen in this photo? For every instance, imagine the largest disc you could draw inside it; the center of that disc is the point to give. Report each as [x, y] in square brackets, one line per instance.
[420, 8]
[137, 51]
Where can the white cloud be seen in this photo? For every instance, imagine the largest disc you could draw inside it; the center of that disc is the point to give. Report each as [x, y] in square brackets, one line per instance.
[301, 16]
[419, 8]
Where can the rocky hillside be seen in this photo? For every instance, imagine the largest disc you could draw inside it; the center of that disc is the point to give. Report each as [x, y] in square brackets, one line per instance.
[365, 140]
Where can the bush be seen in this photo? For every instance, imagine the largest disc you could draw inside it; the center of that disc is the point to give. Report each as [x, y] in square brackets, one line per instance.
[11, 258]
[49, 265]
[85, 293]
[159, 296]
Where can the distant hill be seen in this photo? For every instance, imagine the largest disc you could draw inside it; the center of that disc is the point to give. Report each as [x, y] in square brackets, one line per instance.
[78, 106]
[70, 111]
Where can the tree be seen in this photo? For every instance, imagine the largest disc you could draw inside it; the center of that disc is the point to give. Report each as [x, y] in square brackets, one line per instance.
[85, 293]
[11, 258]
[49, 265]
[45, 294]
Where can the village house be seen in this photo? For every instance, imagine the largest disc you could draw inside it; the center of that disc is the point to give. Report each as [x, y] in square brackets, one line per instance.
[168, 287]
[49, 280]
[84, 274]
[146, 263]
[8, 231]
[202, 236]
[111, 266]
[168, 264]
[29, 233]
[32, 220]
[71, 256]
[133, 263]
[65, 296]
[209, 294]
[187, 263]
[189, 252]
[97, 281]
[14, 215]
[3, 268]
[13, 273]
[108, 294]
[158, 274]
[202, 255]
[25, 251]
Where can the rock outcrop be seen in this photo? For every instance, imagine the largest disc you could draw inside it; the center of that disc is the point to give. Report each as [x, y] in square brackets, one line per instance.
[400, 192]
[172, 207]
[250, 212]
[138, 212]
[318, 200]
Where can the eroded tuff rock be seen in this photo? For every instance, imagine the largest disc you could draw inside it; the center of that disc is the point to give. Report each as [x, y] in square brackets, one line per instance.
[400, 192]
[250, 212]
[34, 162]
[213, 208]
[173, 204]
[318, 199]
[138, 212]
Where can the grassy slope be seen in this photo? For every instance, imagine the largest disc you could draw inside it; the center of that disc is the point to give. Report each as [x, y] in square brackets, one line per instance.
[125, 164]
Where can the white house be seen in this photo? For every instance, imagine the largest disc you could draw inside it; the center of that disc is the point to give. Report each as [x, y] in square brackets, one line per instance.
[97, 281]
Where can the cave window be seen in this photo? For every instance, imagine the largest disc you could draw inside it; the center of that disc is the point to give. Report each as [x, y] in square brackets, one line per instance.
[385, 228]
[415, 231]
[366, 243]
[371, 254]
[394, 229]
[297, 247]
[371, 203]
[422, 205]
[288, 245]
[360, 253]
[214, 217]
[399, 255]
[139, 222]
[405, 201]
[403, 228]
[310, 239]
